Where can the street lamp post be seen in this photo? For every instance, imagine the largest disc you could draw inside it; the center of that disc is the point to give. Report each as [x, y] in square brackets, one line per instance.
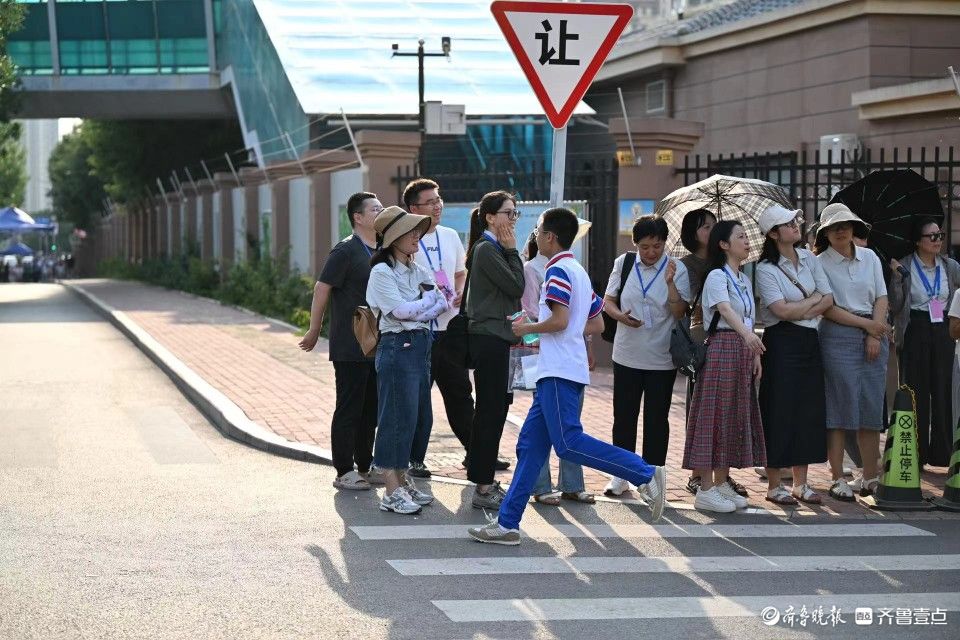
[420, 55]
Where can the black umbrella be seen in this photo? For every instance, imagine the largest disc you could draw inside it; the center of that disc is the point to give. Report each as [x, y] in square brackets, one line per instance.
[891, 201]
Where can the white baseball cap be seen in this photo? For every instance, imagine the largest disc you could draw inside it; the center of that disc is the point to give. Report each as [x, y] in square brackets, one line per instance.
[776, 215]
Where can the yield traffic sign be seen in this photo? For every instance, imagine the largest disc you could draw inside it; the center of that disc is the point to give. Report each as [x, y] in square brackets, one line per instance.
[560, 47]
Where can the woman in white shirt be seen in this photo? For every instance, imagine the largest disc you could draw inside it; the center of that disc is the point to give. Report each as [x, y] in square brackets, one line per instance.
[794, 291]
[724, 428]
[655, 295]
[405, 298]
[921, 334]
[854, 344]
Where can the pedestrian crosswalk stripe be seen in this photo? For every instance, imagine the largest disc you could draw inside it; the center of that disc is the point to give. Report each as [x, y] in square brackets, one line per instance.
[544, 531]
[671, 564]
[531, 609]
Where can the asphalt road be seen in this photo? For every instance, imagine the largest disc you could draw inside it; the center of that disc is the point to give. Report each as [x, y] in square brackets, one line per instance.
[124, 513]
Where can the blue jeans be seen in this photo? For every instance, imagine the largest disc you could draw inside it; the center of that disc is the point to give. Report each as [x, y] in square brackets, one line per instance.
[403, 394]
[554, 420]
[569, 477]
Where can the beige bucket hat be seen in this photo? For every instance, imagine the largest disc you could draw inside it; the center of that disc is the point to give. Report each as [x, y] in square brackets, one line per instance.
[393, 222]
[835, 214]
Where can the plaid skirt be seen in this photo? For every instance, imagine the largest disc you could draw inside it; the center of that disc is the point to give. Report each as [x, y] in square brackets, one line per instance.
[724, 427]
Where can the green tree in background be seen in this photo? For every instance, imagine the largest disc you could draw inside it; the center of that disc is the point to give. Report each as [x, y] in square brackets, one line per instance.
[13, 173]
[123, 159]
[77, 192]
[130, 155]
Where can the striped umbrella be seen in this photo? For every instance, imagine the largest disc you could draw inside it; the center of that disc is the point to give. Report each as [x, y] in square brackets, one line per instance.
[728, 198]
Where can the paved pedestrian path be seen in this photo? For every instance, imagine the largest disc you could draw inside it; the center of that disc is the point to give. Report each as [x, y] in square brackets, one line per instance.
[255, 362]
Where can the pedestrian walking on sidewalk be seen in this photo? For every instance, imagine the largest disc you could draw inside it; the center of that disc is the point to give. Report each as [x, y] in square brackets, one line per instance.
[854, 343]
[568, 309]
[405, 298]
[794, 292]
[496, 285]
[646, 297]
[919, 303]
[570, 482]
[342, 286]
[725, 429]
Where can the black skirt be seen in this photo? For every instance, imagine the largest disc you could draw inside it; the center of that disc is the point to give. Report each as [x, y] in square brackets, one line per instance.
[792, 400]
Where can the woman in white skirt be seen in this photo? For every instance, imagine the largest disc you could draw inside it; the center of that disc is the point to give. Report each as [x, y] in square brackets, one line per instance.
[854, 343]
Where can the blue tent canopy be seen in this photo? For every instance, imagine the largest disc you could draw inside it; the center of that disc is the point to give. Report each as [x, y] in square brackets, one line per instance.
[16, 249]
[13, 219]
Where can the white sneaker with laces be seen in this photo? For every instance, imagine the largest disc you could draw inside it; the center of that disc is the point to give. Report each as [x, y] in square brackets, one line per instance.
[727, 492]
[399, 502]
[420, 497]
[616, 487]
[656, 491]
[712, 500]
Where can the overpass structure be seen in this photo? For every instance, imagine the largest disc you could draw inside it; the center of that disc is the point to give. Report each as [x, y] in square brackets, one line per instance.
[286, 69]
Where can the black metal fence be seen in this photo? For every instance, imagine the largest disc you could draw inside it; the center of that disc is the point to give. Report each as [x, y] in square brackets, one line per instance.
[812, 182]
[591, 180]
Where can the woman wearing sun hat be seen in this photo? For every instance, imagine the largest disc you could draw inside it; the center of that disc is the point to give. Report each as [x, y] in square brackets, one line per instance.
[854, 344]
[405, 298]
[794, 292]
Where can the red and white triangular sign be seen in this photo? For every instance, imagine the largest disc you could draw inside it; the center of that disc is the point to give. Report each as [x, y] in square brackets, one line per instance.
[560, 47]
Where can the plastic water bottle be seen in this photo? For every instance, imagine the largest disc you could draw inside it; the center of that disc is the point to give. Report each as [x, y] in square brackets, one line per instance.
[531, 338]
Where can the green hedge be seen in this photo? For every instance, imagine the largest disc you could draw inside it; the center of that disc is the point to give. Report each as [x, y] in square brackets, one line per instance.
[259, 285]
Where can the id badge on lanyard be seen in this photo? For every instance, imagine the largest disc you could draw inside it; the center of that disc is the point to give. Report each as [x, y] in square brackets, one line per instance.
[439, 275]
[744, 298]
[935, 304]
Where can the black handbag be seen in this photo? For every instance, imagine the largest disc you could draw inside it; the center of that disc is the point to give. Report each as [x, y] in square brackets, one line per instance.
[609, 324]
[456, 339]
[688, 354]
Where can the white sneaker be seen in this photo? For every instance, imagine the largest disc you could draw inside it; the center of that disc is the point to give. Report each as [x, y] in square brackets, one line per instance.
[656, 491]
[399, 502]
[712, 500]
[727, 492]
[420, 497]
[616, 487]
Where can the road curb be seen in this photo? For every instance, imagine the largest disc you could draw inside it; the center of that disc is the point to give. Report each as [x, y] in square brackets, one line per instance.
[225, 415]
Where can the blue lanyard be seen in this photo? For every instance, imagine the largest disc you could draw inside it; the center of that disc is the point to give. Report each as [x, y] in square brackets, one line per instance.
[933, 291]
[492, 239]
[365, 247]
[744, 298]
[644, 289]
[439, 252]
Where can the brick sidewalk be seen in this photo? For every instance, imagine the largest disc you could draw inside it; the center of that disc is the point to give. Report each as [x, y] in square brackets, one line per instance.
[257, 364]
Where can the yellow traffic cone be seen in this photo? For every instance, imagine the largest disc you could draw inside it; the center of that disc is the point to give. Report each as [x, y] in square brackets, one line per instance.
[899, 488]
[951, 490]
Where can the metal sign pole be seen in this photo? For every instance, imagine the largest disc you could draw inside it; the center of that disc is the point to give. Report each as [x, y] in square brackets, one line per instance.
[558, 166]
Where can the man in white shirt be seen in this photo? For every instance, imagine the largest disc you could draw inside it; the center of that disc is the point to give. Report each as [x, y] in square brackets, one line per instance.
[442, 253]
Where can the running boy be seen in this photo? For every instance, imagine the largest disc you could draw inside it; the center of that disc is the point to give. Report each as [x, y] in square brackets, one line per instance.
[568, 309]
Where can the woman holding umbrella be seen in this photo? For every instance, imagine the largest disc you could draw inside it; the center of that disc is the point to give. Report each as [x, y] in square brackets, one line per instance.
[853, 342]
[918, 303]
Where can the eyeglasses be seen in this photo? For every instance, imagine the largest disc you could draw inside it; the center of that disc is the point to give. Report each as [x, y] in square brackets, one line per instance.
[935, 237]
[376, 210]
[795, 224]
[537, 231]
[512, 214]
[434, 202]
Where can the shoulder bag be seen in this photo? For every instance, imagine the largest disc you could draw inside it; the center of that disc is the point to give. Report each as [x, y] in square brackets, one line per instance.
[366, 328]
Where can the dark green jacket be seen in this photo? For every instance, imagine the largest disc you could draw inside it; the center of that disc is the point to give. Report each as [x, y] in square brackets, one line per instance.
[496, 284]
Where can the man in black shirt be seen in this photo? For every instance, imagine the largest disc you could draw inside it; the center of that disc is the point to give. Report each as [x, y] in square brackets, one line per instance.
[343, 284]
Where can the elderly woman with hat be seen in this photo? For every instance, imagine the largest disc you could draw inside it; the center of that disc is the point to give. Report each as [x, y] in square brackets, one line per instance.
[794, 292]
[853, 341]
[405, 298]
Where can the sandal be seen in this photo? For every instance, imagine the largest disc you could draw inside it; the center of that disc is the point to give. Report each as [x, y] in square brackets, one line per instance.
[351, 481]
[804, 493]
[738, 488]
[579, 496]
[869, 487]
[780, 495]
[840, 490]
[552, 498]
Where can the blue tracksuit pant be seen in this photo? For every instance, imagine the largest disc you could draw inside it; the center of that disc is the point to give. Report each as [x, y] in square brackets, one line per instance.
[554, 420]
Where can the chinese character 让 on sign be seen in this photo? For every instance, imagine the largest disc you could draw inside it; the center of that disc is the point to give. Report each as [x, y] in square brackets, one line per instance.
[547, 52]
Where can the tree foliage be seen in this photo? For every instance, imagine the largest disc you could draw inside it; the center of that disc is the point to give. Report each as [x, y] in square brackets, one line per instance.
[123, 159]
[11, 17]
[13, 165]
[130, 155]
[76, 190]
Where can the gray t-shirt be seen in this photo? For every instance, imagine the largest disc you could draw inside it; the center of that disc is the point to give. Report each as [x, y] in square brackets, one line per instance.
[346, 272]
